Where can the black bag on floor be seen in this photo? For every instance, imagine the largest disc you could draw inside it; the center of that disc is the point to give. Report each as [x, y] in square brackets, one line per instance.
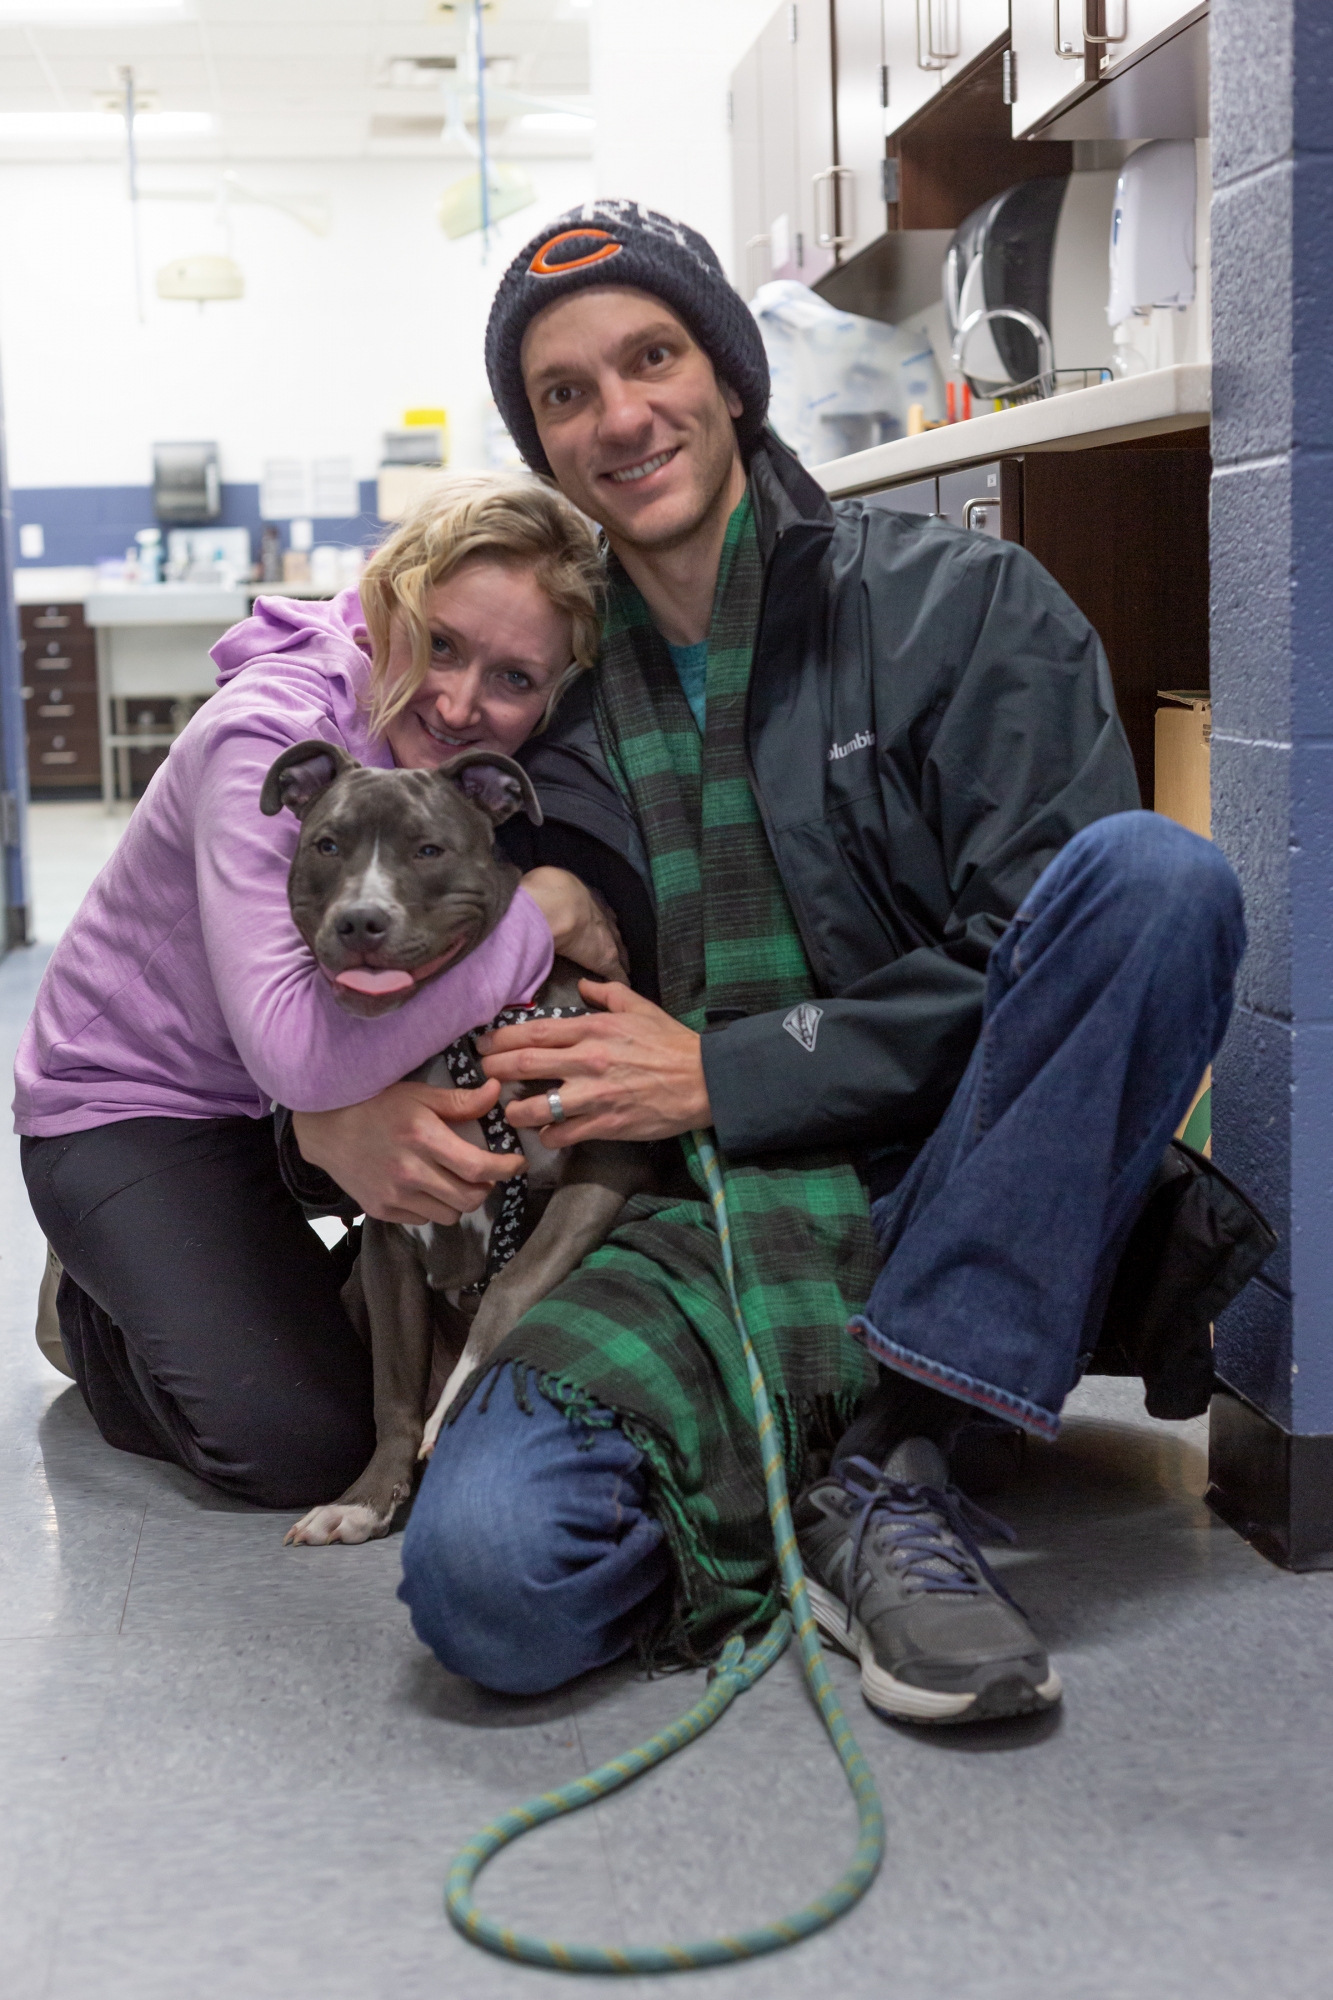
[1198, 1241]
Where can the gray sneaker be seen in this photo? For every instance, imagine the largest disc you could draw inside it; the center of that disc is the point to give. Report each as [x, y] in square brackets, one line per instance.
[896, 1579]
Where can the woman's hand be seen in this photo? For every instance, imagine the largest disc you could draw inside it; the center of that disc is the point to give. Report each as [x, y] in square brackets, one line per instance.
[631, 1073]
[398, 1156]
[580, 923]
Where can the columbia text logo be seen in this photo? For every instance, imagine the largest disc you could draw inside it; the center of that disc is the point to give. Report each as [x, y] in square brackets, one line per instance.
[863, 740]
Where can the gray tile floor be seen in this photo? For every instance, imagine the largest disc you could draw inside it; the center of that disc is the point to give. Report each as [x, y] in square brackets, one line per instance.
[228, 1770]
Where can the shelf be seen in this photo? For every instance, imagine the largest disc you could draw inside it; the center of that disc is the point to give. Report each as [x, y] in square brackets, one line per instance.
[1166, 399]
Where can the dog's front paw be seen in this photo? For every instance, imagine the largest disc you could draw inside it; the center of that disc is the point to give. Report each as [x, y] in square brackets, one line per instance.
[341, 1521]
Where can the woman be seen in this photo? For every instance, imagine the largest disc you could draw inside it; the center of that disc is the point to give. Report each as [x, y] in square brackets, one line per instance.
[199, 1312]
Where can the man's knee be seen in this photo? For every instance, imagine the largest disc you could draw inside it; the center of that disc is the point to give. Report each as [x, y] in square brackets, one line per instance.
[529, 1552]
[469, 1603]
[474, 1556]
[1159, 874]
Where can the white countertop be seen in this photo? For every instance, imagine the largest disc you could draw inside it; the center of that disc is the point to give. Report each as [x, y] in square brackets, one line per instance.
[1165, 399]
[52, 584]
[166, 604]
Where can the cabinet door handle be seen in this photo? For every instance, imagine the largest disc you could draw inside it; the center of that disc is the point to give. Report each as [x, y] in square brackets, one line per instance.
[1103, 41]
[1066, 50]
[928, 56]
[828, 177]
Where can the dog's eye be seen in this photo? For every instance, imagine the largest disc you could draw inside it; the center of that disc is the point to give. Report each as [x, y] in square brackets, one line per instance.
[326, 846]
[429, 853]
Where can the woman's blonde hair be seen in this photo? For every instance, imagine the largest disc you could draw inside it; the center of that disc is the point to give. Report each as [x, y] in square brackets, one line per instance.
[507, 517]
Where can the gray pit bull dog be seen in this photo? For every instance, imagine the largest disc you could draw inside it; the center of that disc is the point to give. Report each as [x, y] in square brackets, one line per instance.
[396, 877]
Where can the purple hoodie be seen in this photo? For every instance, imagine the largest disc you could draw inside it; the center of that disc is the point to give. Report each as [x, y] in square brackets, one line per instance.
[182, 989]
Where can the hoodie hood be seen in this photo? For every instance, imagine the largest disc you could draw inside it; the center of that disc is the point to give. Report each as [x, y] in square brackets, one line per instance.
[307, 648]
[330, 627]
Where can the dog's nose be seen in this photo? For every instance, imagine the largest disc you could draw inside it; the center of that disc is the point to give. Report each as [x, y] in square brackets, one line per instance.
[364, 926]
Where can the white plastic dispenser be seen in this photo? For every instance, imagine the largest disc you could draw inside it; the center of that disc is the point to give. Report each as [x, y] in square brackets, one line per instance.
[1152, 230]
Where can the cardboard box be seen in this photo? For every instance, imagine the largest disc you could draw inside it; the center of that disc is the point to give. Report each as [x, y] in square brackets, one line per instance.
[1181, 785]
[1181, 792]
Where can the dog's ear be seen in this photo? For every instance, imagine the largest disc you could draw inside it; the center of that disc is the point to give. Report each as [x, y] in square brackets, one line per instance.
[495, 783]
[301, 775]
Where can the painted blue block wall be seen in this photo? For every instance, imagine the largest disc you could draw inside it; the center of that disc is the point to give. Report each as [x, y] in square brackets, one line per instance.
[1272, 672]
[13, 737]
[91, 524]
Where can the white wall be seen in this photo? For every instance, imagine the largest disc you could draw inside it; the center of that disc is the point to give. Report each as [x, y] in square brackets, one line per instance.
[335, 336]
[660, 70]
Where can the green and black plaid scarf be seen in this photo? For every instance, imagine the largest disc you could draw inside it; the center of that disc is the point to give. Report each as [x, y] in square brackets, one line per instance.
[644, 1328]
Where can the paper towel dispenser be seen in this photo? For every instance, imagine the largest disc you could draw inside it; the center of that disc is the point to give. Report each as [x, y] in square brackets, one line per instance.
[187, 489]
[1152, 230]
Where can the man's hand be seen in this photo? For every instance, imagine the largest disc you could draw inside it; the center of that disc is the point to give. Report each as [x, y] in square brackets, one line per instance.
[398, 1156]
[630, 1073]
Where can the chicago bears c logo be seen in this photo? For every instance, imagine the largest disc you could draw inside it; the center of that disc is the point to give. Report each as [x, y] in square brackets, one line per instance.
[542, 267]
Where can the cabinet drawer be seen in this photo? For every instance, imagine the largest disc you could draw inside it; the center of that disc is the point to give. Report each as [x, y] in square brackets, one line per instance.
[73, 660]
[42, 620]
[70, 752]
[60, 707]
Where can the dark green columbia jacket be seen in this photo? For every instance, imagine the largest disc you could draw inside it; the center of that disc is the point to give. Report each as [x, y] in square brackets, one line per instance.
[930, 719]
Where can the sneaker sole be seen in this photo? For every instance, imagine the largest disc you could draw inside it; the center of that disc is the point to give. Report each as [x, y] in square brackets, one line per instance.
[1009, 1694]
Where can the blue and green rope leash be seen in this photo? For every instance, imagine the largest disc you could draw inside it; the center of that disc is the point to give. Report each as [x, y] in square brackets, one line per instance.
[736, 1670]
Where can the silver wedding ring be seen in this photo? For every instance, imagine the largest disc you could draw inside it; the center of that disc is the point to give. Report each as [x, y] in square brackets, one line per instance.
[558, 1112]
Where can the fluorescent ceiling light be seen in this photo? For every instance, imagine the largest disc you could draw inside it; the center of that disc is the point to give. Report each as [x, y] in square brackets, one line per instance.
[554, 121]
[103, 125]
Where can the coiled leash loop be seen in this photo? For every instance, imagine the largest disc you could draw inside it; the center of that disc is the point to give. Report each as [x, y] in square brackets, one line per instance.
[736, 1669]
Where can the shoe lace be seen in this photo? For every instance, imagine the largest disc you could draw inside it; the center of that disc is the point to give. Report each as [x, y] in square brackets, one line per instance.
[932, 1531]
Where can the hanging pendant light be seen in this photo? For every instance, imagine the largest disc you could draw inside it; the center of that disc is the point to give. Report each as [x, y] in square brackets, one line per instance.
[201, 279]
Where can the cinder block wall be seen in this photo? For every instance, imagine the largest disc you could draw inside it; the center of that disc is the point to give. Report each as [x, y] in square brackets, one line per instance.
[1272, 673]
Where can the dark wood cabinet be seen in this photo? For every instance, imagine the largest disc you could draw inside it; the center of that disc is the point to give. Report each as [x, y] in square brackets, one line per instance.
[60, 700]
[1124, 529]
[957, 152]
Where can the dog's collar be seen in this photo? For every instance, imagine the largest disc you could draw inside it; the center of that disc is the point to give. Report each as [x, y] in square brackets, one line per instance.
[466, 1073]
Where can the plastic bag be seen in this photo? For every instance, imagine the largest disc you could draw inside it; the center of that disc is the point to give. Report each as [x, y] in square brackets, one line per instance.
[840, 382]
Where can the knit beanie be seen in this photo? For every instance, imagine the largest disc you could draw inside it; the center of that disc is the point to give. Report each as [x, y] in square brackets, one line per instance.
[619, 243]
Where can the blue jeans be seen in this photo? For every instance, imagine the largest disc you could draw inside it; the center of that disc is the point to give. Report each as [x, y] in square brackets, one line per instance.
[1106, 998]
[531, 1555]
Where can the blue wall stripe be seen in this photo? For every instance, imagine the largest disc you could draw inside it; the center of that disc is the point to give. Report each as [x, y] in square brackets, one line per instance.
[92, 524]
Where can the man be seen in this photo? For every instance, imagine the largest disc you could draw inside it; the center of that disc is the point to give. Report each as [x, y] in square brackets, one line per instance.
[915, 946]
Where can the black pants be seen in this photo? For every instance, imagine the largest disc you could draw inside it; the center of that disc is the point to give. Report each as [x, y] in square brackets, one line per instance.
[199, 1311]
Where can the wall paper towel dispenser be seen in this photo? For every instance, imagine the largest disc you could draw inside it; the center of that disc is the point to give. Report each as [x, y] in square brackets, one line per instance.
[187, 489]
[1152, 230]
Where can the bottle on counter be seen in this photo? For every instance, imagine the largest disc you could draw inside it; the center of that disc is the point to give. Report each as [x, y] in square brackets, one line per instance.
[150, 555]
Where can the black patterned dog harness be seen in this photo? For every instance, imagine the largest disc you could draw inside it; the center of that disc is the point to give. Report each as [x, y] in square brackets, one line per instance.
[466, 1072]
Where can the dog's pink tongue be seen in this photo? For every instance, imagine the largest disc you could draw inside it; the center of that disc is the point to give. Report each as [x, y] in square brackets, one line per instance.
[367, 979]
